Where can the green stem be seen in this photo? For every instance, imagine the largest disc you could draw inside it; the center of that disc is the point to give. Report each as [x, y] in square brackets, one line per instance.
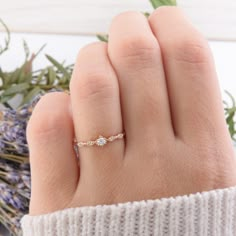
[6, 207]
[231, 110]
[3, 222]
[7, 40]
[3, 174]
[18, 159]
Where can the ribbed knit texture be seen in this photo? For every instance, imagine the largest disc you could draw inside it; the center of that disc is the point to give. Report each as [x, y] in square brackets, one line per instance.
[210, 213]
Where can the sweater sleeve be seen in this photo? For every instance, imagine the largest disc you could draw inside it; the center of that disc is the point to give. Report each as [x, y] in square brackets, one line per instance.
[210, 213]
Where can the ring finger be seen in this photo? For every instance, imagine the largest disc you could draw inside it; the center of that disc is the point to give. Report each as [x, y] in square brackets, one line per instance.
[96, 108]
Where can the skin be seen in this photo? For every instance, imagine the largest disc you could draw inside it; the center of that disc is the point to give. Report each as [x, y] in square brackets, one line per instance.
[156, 81]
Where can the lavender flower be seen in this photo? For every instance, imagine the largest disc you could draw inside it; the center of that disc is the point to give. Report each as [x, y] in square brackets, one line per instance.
[15, 226]
[13, 177]
[8, 114]
[12, 198]
[2, 146]
[3, 127]
[15, 180]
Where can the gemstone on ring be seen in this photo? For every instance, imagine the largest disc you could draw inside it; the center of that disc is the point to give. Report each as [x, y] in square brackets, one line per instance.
[101, 141]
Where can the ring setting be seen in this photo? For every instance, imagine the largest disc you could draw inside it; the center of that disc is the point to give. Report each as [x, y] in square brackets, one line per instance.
[100, 141]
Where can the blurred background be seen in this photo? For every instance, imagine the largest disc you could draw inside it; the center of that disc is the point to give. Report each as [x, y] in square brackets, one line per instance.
[66, 26]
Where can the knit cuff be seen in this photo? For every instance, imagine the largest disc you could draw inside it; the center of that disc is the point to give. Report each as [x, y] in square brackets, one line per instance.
[203, 214]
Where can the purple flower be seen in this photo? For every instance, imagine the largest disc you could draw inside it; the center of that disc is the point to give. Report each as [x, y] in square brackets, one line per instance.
[25, 167]
[24, 112]
[6, 193]
[12, 198]
[13, 177]
[3, 127]
[2, 146]
[23, 150]
[8, 114]
[5, 166]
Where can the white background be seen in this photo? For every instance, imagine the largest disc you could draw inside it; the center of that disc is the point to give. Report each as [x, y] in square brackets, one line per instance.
[215, 18]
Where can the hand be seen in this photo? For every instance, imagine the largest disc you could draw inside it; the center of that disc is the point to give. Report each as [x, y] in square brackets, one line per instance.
[155, 80]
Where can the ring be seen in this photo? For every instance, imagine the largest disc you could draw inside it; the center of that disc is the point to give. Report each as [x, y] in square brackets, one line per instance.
[100, 141]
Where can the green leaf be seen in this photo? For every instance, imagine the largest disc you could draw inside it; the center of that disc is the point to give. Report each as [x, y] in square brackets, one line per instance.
[7, 39]
[7, 79]
[22, 75]
[230, 113]
[58, 65]
[5, 99]
[39, 77]
[231, 97]
[26, 49]
[36, 90]
[158, 3]
[230, 123]
[232, 110]
[103, 38]
[146, 14]
[15, 89]
[3, 76]
[63, 80]
[40, 50]
[51, 75]
[28, 78]
[14, 76]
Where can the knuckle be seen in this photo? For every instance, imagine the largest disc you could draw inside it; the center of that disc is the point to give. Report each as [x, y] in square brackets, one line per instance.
[45, 123]
[94, 85]
[140, 49]
[90, 48]
[124, 14]
[166, 10]
[191, 50]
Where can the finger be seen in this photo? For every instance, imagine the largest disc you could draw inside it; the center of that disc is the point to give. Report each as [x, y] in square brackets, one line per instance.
[54, 166]
[96, 108]
[136, 57]
[192, 81]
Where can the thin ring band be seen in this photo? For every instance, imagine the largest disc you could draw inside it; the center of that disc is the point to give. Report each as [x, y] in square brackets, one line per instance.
[100, 141]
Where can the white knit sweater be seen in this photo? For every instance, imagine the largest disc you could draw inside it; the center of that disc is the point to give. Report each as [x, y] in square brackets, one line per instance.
[210, 213]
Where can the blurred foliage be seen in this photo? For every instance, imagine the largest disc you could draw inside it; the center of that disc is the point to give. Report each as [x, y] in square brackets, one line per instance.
[230, 115]
[159, 3]
[6, 40]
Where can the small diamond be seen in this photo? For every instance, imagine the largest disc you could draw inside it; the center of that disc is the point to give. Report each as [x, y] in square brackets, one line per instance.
[101, 141]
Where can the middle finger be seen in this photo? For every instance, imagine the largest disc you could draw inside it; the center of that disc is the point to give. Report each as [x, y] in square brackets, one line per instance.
[135, 54]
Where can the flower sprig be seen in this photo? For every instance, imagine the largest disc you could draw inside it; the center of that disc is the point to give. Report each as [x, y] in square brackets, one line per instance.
[29, 83]
[15, 181]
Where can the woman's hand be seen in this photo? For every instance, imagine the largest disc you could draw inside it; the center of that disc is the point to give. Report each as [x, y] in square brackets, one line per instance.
[156, 81]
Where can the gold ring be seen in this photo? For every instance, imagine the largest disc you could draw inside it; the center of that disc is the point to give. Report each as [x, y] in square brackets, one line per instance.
[100, 141]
